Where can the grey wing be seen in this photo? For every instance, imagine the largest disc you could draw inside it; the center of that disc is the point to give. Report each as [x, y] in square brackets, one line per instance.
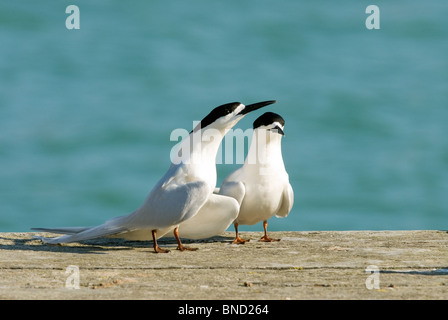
[172, 205]
[287, 202]
[212, 219]
[234, 189]
[196, 194]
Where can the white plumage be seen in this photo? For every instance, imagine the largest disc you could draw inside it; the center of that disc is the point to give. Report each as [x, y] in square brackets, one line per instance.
[261, 186]
[179, 195]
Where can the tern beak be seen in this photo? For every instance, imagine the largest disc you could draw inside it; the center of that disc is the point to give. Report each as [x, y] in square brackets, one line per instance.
[278, 130]
[255, 106]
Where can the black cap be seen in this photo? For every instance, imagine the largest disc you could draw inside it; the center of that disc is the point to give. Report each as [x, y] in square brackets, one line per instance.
[267, 119]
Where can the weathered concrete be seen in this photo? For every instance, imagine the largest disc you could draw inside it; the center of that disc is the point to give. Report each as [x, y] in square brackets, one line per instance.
[303, 265]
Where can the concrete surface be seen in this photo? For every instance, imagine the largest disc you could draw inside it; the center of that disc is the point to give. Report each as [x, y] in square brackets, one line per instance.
[303, 265]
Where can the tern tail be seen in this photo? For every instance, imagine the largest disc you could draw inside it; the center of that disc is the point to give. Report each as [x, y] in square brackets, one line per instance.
[69, 230]
[111, 227]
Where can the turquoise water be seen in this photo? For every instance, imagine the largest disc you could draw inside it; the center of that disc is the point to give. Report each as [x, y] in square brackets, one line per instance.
[86, 115]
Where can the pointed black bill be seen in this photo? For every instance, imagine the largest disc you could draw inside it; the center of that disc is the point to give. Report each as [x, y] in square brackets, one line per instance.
[255, 106]
[278, 130]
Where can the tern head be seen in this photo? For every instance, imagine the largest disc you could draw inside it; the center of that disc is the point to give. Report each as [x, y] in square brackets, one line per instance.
[270, 121]
[227, 115]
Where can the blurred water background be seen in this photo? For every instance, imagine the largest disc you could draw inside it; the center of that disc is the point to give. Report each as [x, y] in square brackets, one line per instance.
[86, 115]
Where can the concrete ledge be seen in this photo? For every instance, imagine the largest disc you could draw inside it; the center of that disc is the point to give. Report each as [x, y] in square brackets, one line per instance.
[303, 265]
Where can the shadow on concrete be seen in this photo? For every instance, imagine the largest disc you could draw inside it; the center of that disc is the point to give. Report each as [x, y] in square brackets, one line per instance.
[435, 272]
[99, 246]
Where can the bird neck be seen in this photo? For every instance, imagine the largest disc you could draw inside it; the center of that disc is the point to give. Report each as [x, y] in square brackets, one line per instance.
[205, 144]
[196, 153]
[265, 149]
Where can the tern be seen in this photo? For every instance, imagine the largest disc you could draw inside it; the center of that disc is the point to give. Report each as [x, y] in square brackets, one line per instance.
[261, 185]
[179, 195]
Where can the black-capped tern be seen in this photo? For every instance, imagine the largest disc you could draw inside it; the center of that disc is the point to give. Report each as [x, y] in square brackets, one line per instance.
[185, 188]
[261, 185]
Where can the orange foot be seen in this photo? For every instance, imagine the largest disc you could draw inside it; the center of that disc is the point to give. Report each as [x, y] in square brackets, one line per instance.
[157, 249]
[183, 248]
[265, 238]
[180, 246]
[239, 240]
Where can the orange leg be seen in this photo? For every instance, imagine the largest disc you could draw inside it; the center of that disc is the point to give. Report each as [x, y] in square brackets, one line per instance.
[157, 249]
[180, 246]
[265, 238]
[237, 239]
